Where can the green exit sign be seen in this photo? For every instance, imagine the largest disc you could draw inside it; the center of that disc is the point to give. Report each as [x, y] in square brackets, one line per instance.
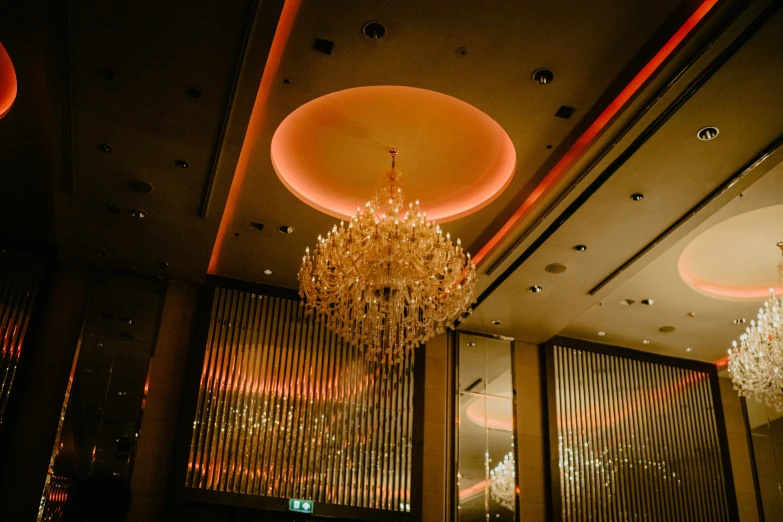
[300, 506]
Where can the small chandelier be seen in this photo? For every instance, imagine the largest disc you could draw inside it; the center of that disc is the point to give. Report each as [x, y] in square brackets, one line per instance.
[388, 280]
[756, 364]
[502, 482]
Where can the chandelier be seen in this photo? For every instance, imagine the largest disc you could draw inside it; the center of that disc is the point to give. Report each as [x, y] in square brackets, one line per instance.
[388, 280]
[756, 364]
[502, 482]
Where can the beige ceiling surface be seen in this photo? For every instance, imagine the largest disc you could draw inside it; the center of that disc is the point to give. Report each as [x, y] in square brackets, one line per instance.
[710, 329]
[675, 171]
[587, 45]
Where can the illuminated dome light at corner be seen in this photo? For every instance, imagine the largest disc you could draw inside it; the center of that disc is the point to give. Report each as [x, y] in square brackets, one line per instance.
[8, 85]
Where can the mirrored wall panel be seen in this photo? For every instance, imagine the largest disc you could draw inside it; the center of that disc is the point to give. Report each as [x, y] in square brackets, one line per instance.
[766, 431]
[104, 403]
[635, 438]
[20, 276]
[286, 409]
[486, 458]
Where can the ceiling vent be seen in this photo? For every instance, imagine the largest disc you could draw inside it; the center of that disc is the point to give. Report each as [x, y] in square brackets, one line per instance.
[323, 46]
[565, 112]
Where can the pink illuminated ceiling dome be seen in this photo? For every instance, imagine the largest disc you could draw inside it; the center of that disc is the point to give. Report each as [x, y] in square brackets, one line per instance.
[332, 151]
[7, 82]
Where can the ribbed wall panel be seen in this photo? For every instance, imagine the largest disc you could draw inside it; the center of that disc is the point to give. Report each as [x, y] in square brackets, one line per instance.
[636, 440]
[287, 409]
[20, 276]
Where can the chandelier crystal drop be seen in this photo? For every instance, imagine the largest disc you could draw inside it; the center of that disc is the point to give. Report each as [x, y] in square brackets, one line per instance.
[756, 363]
[388, 280]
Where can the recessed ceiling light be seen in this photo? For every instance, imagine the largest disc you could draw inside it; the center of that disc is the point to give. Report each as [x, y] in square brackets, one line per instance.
[646, 341]
[535, 289]
[182, 164]
[740, 320]
[461, 51]
[601, 334]
[101, 252]
[374, 30]
[142, 187]
[138, 213]
[194, 92]
[647, 302]
[543, 76]
[691, 314]
[495, 322]
[471, 344]
[666, 329]
[285, 229]
[268, 272]
[107, 73]
[627, 302]
[689, 349]
[637, 196]
[580, 248]
[105, 147]
[165, 264]
[708, 133]
[556, 268]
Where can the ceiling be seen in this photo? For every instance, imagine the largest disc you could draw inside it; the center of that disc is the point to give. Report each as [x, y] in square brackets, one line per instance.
[189, 111]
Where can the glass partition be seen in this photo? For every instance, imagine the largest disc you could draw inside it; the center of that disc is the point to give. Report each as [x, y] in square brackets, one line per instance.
[486, 465]
[766, 431]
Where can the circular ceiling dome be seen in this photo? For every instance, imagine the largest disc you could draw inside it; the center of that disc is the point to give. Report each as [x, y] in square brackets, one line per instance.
[7, 82]
[736, 259]
[332, 151]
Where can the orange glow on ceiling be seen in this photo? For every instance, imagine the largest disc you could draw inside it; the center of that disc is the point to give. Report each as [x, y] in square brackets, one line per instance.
[562, 166]
[255, 127]
[7, 82]
[332, 151]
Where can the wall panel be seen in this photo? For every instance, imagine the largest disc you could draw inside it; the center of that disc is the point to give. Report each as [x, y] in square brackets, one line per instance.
[635, 438]
[287, 409]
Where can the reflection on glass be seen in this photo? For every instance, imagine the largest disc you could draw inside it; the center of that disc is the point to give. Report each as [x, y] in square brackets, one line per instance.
[486, 468]
[766, 430]
[103, 405]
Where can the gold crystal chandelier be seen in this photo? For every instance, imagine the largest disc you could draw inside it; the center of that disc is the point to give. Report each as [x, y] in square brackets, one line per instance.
[388, 280]
[756, 364]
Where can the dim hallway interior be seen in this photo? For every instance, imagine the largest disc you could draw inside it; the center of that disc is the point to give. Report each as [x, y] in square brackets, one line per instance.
[418, 261]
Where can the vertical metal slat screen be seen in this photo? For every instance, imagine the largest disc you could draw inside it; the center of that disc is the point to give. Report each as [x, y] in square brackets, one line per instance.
[636, 440]
[20, 276]
[287, 409]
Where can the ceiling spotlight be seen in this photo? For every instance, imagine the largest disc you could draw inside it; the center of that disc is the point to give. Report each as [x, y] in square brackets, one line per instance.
[471, 344]
[636, 196]
[646, 341]
[691, 314]
[268, 272]
[535, 289]
[182, 164]
[165, 264]
[105, 147]
[601, 334]
[580, 248]
[740, 320]
[138, 213]
[495, 322]
[543, 76]
[285, 229]
[647, 302]
[708, 133]
[374, 30]
[689, 349]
